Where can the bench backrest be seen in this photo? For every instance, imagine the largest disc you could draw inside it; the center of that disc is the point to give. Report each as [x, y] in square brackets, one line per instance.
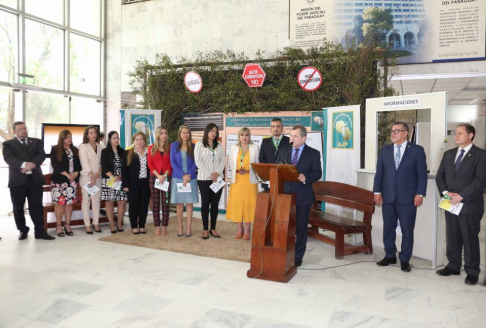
[345, 195]
[47, 183]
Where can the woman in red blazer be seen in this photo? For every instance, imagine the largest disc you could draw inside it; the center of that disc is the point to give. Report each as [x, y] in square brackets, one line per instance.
[159, 166]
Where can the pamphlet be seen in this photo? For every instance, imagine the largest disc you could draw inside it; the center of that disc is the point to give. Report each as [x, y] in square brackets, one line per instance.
[181, 188]
[162, 186]
[91, 190]
[216, 186]
[113, 184]
[446, 204]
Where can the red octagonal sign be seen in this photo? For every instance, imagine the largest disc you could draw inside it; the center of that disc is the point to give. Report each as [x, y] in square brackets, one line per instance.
[254, 75]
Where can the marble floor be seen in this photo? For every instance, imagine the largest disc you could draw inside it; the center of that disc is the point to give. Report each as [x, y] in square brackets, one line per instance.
[82, 282]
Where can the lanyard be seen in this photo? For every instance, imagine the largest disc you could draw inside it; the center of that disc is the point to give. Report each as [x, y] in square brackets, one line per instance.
[243, 153]
[212, 153]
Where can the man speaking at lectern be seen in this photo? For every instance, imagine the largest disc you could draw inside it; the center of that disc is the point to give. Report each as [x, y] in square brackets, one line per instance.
[308, 162]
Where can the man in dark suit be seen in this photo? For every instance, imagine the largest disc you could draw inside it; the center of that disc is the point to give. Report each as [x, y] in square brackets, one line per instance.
[462, 177]
[271, 146]
[308, 162]
[24, 157]
[400, 185]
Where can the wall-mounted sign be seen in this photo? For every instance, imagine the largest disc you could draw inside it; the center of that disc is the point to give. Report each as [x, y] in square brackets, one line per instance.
[309, 78]
[401, 102]
[193, 82]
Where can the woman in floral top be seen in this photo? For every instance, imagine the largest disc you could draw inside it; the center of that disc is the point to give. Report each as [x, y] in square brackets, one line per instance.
[64, 180]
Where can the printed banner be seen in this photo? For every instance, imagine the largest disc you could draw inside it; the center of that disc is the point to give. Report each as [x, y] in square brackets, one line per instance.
[133, 121]
[342, 130]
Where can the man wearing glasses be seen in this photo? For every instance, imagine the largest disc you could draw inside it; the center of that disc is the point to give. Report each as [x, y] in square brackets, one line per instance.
[24, 157]
[399, 186]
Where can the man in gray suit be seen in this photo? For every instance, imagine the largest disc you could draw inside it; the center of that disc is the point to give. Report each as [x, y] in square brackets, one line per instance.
[24, 157]
[462, 177]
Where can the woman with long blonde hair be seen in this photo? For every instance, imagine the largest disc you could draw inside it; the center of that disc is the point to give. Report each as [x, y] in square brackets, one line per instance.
[183, 174]
[159, 166]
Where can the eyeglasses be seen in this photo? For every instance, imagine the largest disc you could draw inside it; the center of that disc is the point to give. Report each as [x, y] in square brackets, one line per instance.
[396, 131]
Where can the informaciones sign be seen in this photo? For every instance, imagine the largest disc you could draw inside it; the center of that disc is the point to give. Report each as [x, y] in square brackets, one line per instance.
[193, 82]
[309, 78]
[254, 75]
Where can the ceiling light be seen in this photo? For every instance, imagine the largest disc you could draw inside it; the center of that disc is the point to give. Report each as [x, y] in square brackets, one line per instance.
[478, 88]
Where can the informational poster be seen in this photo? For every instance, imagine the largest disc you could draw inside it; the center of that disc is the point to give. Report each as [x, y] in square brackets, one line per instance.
[417, 31]
[133, 121]
[198, 122]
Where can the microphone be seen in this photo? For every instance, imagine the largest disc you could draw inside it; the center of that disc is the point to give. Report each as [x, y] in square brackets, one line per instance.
[287, 154]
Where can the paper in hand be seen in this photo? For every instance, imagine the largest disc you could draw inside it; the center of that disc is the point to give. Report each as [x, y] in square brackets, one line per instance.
[164, 186]
[91, 190]
[216, 186]
[181, 188]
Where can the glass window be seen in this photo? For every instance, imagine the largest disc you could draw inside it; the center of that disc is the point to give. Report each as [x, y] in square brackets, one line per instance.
[44, 54]
[51, 10]
[7, 113]
[85, 65]
[45, 108]
[86, 111]
[85, 15]
[9, 3]
[8, 44]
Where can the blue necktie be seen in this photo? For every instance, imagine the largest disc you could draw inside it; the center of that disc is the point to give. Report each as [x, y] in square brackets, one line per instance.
[296, 157]
[458, 161]
[397, 157]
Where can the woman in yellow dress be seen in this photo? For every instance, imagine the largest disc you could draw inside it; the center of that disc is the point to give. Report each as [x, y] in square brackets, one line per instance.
[244, 183]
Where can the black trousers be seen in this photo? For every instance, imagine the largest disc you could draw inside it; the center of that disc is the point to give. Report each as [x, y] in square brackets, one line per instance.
[209, 198]
[138, 201]
[33, 192]
[462, 231]
[301, 223]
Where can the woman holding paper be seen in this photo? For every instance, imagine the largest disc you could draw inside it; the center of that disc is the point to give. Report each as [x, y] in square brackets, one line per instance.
[90, 156]
[244, 183]
[64, 180]
[159, 165]
[111, 191]
[184, 184]
[209, 156]
[135, 181]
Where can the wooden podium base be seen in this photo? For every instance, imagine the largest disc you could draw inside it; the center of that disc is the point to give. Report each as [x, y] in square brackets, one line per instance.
[273, 277]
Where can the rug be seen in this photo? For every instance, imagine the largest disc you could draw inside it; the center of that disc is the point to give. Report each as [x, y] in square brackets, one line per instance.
[226, 247]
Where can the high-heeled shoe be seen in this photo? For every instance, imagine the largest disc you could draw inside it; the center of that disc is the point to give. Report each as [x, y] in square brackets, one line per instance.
[143, 232]
[214, 235]
[246, 237]
[98, 231]
[205, 237]
[120, 230]
[69, 233]
[182, 234]
[136, 232]
[238, 236]
[113, 231]
[60, 234]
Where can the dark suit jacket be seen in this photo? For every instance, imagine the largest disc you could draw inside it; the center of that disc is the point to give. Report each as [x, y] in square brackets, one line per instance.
[469, 181]
[309, 164]
[408, 180]
[108, 160]
[15, 154]
[62, 166]
[130, 174]
[268, 153]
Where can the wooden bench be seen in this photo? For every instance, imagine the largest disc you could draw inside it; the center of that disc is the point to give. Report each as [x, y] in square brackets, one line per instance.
[49, 207]
[348, 196]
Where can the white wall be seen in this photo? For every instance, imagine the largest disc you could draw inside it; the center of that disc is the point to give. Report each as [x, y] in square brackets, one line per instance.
[472, 114]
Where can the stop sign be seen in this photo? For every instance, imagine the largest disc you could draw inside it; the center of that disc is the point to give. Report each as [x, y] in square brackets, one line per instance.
[254, 75]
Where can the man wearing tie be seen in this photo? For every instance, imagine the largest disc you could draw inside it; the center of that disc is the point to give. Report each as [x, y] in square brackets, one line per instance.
[400, 185]
[308, 162]
[462, 177]
[24, 157]
[271, 146]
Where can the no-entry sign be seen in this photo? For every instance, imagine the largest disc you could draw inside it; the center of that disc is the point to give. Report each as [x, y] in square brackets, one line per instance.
[309, 78]
[254, 75]
[193, 82]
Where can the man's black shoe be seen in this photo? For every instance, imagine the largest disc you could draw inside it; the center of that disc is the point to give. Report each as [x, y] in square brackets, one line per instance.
[447, 272]
[387, 261]
[298, 262]
[44, 235]
[471, 280]
[23, 235]
[405, 266]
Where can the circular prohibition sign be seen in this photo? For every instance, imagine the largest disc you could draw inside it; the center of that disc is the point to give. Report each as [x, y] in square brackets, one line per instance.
[193, 82]
[309, 78]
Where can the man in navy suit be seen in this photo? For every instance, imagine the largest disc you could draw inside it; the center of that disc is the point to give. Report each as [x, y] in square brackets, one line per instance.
[462, 177]
[308, 162]
[400, 185]
[271, 146]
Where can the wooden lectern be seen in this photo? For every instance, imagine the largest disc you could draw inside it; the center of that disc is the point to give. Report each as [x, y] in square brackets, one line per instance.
[273, 242]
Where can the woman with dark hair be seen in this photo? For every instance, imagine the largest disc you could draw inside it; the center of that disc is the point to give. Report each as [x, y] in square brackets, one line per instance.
[209, 156]
[90, 156]
[183, 174]
[135, 181]
[159, 165]
[111, 163]
[64, 180]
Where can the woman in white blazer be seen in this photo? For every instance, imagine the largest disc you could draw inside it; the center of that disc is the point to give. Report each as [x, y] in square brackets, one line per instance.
[244, 183]
[90, 156]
